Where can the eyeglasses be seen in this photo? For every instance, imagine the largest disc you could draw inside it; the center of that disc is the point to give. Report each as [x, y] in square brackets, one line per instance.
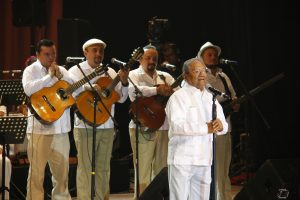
[199, 70]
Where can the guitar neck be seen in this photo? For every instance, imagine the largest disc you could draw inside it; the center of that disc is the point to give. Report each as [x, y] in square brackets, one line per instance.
[81, 82]
[227, 104]
[177, 81]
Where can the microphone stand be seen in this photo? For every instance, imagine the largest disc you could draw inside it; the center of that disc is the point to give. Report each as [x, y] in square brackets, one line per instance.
[97, 99]
[136, 92]
[214, 177]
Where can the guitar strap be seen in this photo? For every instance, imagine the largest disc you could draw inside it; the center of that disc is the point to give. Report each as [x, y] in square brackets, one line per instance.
[227, 91]
[162, 77]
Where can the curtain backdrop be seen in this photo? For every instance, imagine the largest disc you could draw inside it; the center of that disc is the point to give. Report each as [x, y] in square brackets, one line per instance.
[17, 42]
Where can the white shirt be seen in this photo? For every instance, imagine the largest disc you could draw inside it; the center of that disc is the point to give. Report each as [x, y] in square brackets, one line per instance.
[76, 75]
[35, 78]
[147, 85]
[188, 111]
[216, 82]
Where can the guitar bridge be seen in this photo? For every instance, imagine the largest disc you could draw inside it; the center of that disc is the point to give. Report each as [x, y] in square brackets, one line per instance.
[149, 111]
[49, 104]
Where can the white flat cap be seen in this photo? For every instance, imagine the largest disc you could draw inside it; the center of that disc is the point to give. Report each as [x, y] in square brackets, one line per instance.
[91, 42]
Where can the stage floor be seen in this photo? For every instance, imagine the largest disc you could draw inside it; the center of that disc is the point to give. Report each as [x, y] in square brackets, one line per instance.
[129, 196]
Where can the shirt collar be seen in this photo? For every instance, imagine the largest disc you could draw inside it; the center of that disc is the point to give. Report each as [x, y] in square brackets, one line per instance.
[142, 71]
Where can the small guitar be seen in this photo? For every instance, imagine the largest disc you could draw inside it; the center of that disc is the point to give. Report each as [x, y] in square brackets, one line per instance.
[227, 105]
[85, 101]
[150, 111]
[49, 103]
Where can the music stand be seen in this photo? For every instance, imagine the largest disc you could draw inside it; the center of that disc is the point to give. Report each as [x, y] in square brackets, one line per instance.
[13, 91]
[12, 131]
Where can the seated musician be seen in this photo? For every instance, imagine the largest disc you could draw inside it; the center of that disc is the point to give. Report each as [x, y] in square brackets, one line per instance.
[8, 166]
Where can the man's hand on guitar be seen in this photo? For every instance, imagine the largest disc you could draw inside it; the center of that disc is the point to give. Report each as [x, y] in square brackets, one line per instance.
[164, 90]
[123, 74]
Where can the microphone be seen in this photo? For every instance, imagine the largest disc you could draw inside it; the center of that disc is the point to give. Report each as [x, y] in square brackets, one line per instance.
[16, 71]
[118, 62]
[217, 92]
[227, 62]
[75, 59]
[5, 71]
[169, 66]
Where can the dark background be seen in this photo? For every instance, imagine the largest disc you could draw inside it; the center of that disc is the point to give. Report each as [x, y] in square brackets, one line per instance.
[261, 35]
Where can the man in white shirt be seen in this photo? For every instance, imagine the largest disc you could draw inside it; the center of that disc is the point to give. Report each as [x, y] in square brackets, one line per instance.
[210, 54]
[47, 143]
[93, 50]
[153, 145]
[190, 152]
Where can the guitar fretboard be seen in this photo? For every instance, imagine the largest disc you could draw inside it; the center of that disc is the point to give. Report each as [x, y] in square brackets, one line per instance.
[84, 80]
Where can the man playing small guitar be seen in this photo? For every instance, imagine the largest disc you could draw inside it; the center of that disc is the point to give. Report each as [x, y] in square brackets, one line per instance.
[150, 82]
[47, 143]
[93, 50]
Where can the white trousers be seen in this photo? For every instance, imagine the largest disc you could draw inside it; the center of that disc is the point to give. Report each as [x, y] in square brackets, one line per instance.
[152, 156]
[189, 182]
[54, 150]
[223, 159]
[103, 149]
[8, 169]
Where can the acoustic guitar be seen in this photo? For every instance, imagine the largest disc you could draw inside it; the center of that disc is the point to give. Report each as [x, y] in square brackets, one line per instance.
[49, 103]
[150, 111]
[85, 101]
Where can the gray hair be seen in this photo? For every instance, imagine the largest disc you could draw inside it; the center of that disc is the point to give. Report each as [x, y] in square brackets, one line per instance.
[186, 64]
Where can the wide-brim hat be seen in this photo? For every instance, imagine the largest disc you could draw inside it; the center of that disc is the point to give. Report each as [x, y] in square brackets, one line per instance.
[208, 45]
[92, 42]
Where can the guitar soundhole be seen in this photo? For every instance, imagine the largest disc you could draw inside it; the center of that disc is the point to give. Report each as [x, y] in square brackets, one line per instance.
[105, 93]
[62, 94]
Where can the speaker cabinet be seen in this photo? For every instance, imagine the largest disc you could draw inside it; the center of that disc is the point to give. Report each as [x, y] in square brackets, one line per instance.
[158, 188]
[275, 179]
[72, 34]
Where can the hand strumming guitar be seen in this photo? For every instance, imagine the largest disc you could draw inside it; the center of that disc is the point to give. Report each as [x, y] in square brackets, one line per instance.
[123, 74]
[164, 90]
